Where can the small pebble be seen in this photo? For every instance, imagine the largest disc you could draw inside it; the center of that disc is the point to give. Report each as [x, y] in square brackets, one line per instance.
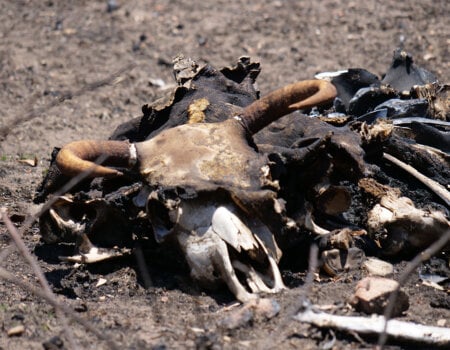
[377, 267]
[441, 322]
[16, 331]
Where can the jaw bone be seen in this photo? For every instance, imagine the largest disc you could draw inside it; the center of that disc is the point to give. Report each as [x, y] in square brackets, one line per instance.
[59, 219]
[217, 243]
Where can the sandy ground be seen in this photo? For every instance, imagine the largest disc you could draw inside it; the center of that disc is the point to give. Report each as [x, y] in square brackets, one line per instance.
[73, 69]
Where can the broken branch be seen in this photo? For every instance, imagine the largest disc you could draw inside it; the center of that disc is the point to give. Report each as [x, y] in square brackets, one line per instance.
[15, 236]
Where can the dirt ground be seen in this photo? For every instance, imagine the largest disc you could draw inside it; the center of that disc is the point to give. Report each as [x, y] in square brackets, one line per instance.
[74, 69]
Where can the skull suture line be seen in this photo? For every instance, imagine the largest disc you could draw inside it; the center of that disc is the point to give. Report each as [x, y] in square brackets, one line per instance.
[222, 230]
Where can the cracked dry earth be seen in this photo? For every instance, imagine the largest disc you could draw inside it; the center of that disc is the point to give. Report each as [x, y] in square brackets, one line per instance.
[73, 70]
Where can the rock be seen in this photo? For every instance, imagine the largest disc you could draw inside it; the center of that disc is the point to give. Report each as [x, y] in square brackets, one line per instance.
[237, 318]
[265, 307]
[372, 294]
[16, 331]
[377, 267]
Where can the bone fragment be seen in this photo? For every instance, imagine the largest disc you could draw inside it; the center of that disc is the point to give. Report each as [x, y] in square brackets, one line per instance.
[400, 330]
[402, 225]
[16, 331]
[254, 279]
[232, 230]
[312, 226]
[377, 267]
[438, 189]
[95, 255]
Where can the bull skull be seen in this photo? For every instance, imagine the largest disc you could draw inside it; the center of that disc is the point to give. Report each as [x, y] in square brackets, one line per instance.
[222, 228]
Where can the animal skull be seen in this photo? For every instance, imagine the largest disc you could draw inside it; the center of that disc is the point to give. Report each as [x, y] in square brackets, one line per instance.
[224, 226]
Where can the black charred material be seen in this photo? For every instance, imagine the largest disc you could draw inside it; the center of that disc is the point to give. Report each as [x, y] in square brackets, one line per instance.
[397, 108]
[349, 82]
[431, 136]
[404, 74]
[343, 145]
[226, 90]
[423, 161]
[366, 99]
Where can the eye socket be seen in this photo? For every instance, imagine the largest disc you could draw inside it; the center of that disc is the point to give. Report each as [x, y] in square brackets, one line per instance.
[159, 216]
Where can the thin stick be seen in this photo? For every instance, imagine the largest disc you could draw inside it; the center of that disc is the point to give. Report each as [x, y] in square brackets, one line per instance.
[312, 268]
[280, 331]
[437, 188]
[9, 277]
[23, 250]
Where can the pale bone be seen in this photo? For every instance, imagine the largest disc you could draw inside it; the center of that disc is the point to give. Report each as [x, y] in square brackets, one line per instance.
[437, 188]
[206, 229]
[91, 253]
[312, 226]
[95, 255]
[430, 335]
[254, 279]
[399, 216]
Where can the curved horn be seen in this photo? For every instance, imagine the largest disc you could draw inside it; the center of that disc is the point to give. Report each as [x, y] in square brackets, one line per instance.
[300, 95]
[79, 156]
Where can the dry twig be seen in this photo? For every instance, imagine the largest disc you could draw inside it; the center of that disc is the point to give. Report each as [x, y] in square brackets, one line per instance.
[9, 277]
[23, 250]
[46, 293]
